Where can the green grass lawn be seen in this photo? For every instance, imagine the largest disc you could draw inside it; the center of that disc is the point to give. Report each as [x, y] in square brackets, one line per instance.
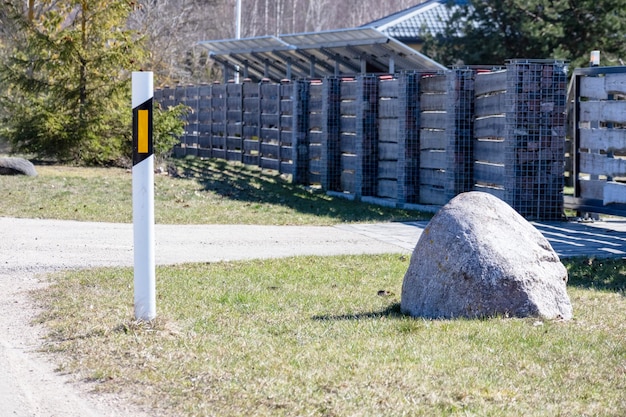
[306, 336]
[205, 192]
[324, 337]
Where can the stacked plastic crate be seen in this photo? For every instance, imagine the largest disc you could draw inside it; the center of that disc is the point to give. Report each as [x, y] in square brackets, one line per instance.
[535, 137]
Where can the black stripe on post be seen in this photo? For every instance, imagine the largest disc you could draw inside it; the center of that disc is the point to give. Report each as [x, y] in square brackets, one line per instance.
[142, 132]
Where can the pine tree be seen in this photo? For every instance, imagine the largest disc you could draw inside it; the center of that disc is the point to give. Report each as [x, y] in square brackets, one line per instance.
[489, 31]
[68, 74]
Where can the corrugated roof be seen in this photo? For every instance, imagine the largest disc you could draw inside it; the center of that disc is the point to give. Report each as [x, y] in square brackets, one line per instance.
[237, 46]
[337, 52]
[374, 47]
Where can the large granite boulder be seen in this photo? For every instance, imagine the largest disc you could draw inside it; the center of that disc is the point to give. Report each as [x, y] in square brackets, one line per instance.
[17, 166]
[479, 258]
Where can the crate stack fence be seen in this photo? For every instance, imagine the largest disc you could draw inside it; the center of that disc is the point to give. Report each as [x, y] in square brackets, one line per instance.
[460, 132]
[535, 138]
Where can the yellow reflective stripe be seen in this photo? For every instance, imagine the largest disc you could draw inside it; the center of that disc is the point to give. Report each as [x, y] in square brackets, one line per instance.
[142, 131]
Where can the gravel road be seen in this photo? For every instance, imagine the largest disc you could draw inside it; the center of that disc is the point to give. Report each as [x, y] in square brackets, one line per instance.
[29, 385]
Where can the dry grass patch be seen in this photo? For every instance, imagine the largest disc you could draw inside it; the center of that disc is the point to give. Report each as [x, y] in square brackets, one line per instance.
[324, 337]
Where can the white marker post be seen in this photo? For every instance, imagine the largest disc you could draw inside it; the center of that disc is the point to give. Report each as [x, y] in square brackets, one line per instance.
[594, 59]
[143, 196]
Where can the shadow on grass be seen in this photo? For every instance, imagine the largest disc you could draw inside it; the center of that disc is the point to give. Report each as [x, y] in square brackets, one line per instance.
[393, 311]
[249, 184]
[607, 274]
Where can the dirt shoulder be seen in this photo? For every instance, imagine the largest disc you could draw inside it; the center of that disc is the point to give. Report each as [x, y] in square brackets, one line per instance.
[31, 249]
[29, 384]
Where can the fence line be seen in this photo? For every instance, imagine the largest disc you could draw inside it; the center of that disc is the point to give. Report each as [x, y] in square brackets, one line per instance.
[598, 168]
[409, 138]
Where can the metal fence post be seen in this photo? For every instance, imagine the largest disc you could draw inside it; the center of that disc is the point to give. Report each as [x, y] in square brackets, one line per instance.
[331, 117]
[300, 132]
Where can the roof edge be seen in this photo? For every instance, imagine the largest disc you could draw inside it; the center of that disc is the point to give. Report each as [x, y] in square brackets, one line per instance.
[420, 8]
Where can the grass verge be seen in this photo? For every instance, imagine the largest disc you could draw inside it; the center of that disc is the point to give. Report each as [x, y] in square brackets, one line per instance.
[324, 337]
[203, 192]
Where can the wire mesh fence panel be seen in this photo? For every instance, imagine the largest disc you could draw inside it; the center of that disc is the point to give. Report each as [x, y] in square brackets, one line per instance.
[535, 137]
[300, 132]
[218, 121]
[433, 139]
[286, 154]
[251, 114]
[390, 110]
[367, 136]
[190, 99]
[204, 121]
[331, 126]
[490, 89]
[408, 138]
[179, 94]
[270, 126]
[460, 132]
[315, 130]
[346, 153]
[165, 97]
[234, 122]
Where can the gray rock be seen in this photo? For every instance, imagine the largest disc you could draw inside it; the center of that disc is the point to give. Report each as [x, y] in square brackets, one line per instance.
[17, 166]
[479, 258]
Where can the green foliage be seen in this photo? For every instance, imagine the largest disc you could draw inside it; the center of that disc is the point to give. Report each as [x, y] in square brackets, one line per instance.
[68, 77]
[168, 127]
[607, 274]
[490, 32]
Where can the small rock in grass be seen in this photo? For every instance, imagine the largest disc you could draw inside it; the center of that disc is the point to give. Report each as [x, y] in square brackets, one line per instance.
[17, 166]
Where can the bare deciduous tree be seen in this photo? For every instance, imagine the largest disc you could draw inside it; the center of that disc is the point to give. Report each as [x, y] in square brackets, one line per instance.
[174, 27]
